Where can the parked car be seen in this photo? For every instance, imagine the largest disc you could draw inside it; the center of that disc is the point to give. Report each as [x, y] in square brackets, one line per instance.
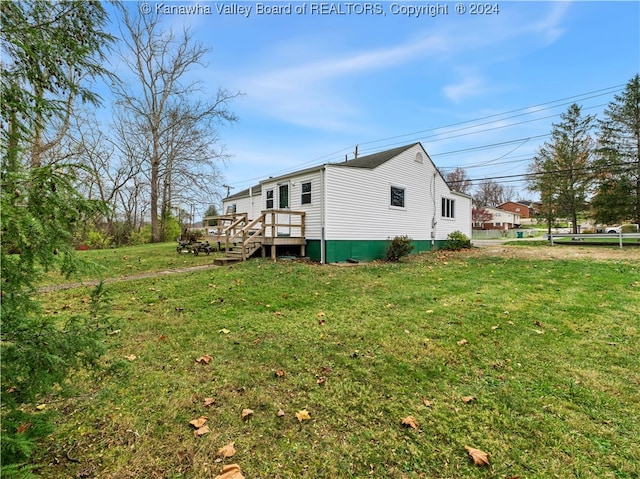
[614, 229]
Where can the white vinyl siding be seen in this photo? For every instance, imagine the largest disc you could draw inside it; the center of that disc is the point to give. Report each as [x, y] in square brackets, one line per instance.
[358, 199]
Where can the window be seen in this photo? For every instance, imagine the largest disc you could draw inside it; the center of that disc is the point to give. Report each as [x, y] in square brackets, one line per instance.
[397, 197]
[269, 199]
[283, 196]
[306, 194]
[448, 208]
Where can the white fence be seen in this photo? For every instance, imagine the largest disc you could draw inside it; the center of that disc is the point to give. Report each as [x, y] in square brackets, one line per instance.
[581, 237]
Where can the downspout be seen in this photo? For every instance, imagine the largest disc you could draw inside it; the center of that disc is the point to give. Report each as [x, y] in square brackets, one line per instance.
[323, 236]
[433, 219]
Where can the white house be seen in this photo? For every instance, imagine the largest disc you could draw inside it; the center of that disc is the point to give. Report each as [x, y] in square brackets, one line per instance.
[352, 208]
[501, 220]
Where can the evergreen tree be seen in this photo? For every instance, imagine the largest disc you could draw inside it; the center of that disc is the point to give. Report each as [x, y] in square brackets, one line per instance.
[617, 193]
[47, 48]
[561, 171]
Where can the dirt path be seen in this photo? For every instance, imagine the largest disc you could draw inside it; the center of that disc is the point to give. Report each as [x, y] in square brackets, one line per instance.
[489, 248]
[150, 274]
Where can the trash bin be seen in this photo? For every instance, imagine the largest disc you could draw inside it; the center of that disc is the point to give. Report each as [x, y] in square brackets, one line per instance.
[519, 233]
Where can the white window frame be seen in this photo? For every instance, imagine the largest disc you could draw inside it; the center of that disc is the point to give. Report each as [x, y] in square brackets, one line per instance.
[267, 198]
[304, 194]
[404, 197]
[448, 208]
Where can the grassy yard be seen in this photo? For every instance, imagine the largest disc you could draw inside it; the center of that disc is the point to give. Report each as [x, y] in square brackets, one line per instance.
[533, 361]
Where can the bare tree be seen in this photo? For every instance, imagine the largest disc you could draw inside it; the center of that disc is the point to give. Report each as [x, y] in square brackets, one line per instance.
[490, 193]
[176, 134]
[458, 180]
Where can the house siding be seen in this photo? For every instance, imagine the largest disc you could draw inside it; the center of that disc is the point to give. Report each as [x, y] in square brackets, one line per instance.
[356, 205]
[358, 201]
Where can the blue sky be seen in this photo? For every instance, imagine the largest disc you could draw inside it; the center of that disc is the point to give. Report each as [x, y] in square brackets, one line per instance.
[316, 85]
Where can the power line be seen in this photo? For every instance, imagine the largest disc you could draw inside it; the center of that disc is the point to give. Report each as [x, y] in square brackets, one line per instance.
[471, 124]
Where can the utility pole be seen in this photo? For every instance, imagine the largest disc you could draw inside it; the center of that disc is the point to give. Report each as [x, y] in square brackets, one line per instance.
[229, 188]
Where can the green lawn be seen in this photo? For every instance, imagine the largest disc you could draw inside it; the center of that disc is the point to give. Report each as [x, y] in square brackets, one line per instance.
[548, 350]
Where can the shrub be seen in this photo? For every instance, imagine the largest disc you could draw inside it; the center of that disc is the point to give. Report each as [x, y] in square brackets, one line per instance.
[457, 241]
[398, 247]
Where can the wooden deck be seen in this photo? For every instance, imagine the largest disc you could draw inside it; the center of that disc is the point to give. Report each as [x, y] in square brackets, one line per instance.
[242, 237]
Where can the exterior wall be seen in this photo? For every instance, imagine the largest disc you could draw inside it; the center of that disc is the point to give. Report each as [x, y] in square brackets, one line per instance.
[518, 208]
[361, 250]
[358, 201]
[252, 205]
[313, 210]
[502, 220]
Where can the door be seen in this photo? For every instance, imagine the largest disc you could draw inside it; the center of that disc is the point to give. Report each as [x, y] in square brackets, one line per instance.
[283, 204]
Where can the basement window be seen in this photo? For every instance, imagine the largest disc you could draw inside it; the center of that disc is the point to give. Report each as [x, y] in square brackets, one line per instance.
[448, 208]
[306, 194]
[397, 197]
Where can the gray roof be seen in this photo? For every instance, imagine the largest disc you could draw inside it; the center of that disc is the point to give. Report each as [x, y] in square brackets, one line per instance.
[256, 190]
[376, 159]
[369, 161]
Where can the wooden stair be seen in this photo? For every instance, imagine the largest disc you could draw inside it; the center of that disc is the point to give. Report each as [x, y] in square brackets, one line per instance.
[236, 253]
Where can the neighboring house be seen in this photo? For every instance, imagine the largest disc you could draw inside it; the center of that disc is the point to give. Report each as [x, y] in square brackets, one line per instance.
[352, 208]
[501, 220]
[522, 209]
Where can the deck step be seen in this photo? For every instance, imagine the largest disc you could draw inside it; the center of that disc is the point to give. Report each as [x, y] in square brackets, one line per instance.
[226, 260]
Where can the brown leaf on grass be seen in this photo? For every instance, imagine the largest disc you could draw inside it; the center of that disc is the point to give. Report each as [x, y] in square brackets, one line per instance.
[201, 431]
[199, 422]
[426, 402]
[303, 415]
[230, 471]
[246, 414]
[23, 427]
[468, 399]
[209, 402]
[206, 359]
[132, 357]
[280, 373]
[462, 342]
[480, 458]
[410, 421]
[280, 413]
[227, 451]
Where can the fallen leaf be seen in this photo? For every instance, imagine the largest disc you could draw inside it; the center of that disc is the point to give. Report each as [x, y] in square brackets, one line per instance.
[206, 359]
[132, 357]
[495, 327]
[480, 458]
[198, 422]
[246, 413]
[224, 331]
[538, 331]
[230, 471]
[468, 399]
[257, 341]
[426, 402]
[227, 451]
[410, 421]
[321, 380]
[41, 407]
[23, 427]
[280, 373]
[201, 431]
[462, 342]
[303, 415]
[321, 314]
[280, 413]
[209, 401]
